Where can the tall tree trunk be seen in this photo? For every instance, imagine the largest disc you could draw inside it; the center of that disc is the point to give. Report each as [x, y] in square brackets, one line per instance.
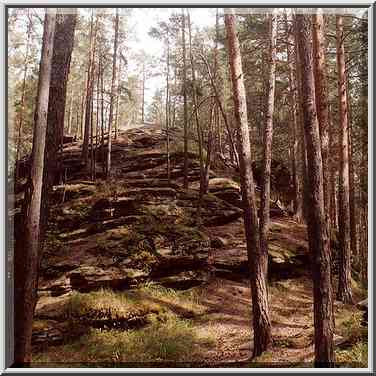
[296, 134]
[232, 149]
[209, 150]
[22, 102]
[28, 242]
[143, 93]
[321, 97]
[111, 114]
[256, 259]
[70, 112]
[197, 118]
[322, 106]
[301, 134]
[332, 175]
[167, 107]
[117, 102]
[317, 230]
[185, 83]
[63, 47]
[364, 151]
[82, 109]
[85, 145]
[267, 142]
[352, 195]
[344, 284]
[103, 156]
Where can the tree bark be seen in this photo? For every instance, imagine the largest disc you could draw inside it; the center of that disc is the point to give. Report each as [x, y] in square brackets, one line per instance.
[296, 134]
[352, 195]
[111, 111]
[256, 259]
[185, 182]
[28, 242]
[197, 118]
[89, 79]
[167, 107]
[63, 47]
[321, 96]
[267, 142]
[118, 102]
[22, 103]
[344, 284]
[317, 230]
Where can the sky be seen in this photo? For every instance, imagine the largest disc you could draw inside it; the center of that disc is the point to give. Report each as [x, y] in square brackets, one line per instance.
[142, 20]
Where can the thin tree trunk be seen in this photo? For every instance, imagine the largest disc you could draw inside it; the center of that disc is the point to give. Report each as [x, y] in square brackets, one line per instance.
[185, 82]
[301, 134]
[256, 259]
[102, 119]
[85, 145]
[317, 230]
[167, 108]
[70, 112]
[352, 203]
[197, 118]
[321, 96]
[332, 177]
[110, 118]
[267, 142]
[344, 284]
[209, 150]
[28, 242]
[117, 102]
[297, 144]
[143, 93]
[23, 91]
[233, 152]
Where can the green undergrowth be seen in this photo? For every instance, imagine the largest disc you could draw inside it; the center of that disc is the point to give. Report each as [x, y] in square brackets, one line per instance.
[168, 336]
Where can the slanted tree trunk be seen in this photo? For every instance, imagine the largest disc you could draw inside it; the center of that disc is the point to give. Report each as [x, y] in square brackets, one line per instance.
[22, 102]
[267, 142]
[28, 241]
[256, 259]
[297, 142]
[111, 114]
[317, 230]
[185, 82]
[344, 279]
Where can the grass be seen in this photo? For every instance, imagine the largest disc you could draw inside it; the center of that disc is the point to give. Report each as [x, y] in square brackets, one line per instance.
[356, 354]
[170, 339]
[167, 337]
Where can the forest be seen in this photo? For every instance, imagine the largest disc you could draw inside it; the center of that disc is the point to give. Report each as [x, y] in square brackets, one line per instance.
[188, 187]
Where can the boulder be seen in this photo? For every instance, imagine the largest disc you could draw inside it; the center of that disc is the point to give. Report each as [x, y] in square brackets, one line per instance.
[88, 278]
[218, 242]
[184, 280]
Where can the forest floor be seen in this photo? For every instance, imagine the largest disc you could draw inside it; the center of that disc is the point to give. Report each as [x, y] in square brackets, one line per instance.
[208, 324]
